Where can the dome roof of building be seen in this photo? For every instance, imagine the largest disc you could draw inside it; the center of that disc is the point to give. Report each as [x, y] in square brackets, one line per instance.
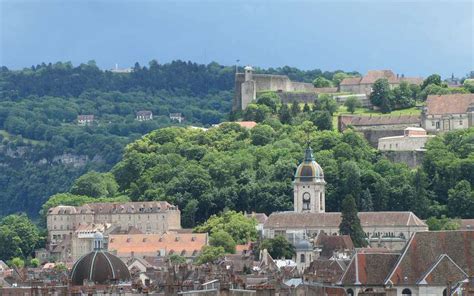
[99, 267]
[309, 170]
[303, 245]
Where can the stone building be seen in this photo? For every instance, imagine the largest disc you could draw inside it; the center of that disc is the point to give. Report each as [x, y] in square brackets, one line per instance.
[247, 85]
[363, 85]
[148, 217]
[448, 112]
[187, 245]
[375, 127]
[309, 218]
[144, 115]
[414, 138]
[432, 263]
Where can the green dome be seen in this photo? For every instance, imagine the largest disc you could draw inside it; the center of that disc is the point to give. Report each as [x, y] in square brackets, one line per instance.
[309, 170]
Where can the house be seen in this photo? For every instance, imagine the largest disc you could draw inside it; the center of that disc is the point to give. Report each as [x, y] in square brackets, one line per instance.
[363, 85]
[334, 246]
[85, 119]
[144, 115]
[432, 263]
[188, 245]
[367, 271]
[176, 117]
[448, 112]
[414, 138]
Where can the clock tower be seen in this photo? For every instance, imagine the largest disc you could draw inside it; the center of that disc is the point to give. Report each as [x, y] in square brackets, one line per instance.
[309, 186]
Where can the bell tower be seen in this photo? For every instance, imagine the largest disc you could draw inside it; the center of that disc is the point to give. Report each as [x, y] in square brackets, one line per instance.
[309, 187]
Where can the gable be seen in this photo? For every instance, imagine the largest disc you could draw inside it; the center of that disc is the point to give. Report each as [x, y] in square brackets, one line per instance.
[444, 268]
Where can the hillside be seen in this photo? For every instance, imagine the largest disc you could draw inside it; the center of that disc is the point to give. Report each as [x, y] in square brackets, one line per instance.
[42, 148]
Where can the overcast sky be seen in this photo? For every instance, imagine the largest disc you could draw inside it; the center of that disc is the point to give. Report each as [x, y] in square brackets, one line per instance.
[411, 37]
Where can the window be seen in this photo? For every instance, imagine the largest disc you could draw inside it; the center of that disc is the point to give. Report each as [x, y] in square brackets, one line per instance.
[306, 201]
[406, 292]
[350, 292]
[460, 122]
[321, 201]
[432, 123]
[437, 125]
[302, 258]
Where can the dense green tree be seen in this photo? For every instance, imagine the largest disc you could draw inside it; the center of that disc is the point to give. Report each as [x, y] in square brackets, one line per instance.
[18, 237]
[295, 108]
[350, 223]
[442, 223]
[403, 96]
[269, 99]
[381, 95]
[322, 82]
[239, 227]
[432, 79]
[210, 254]
[177, 259]
[367, 205]
[324, 102]
[189, 213]
[338, 77]
[262, 135]
[17, 262]
[95, 184]
[322, 120]
[278, 247]
[285, 114]
[35, 262]
[461, 200]
[220, 238]
[306, 108]
[352, 103]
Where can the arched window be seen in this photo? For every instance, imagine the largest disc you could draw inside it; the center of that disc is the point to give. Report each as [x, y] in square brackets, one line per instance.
[445, 292]
[306, 201]
[302, 258]
[350, 292]
[406, 292]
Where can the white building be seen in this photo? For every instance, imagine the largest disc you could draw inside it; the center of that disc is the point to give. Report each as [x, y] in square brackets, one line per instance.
[414, 138]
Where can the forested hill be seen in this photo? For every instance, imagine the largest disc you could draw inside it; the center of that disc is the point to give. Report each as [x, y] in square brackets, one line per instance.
[39, 107]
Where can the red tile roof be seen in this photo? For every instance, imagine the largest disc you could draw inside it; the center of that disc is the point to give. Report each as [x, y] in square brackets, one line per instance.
[422, 254]
[185, 244]
[332, 243]
[351, 81]
[448, 104]
[372, 268]
[374, 75]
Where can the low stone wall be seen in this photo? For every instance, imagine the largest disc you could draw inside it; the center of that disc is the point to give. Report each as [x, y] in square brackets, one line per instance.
[300, 97]
[411, 158]
[373, 135]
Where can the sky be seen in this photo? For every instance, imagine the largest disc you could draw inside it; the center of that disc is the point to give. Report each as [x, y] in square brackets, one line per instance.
[415, 38]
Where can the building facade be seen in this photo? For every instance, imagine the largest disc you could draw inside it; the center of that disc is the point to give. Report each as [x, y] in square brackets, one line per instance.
[448, 112]
[363, 85]
[309, 218]
[148, 217]
[144, 115]
[247, 85]
[414, 138]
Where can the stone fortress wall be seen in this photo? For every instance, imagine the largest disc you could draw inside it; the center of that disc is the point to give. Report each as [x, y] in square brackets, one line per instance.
[248, 84]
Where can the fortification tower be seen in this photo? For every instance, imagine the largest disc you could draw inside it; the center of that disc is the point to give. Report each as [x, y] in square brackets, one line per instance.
[309, 186]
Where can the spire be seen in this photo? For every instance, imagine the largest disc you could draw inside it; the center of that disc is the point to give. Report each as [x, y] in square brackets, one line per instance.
[308, 155]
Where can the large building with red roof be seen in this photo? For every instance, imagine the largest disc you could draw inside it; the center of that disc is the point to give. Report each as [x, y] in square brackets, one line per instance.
[448, 112]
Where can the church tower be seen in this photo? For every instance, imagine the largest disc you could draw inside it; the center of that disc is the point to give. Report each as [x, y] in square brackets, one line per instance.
[309, 186]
